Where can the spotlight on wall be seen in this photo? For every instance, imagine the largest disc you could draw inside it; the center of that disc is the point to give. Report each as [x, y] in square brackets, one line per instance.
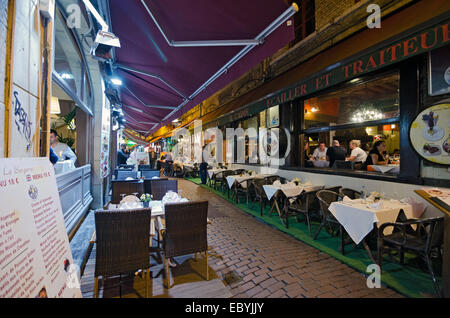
[116, 81]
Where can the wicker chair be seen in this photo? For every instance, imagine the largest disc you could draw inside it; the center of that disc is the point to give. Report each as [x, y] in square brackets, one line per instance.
[259, 195]
[239, 171]
[345, 165]
[144, 167]
[221, 179]
[124, 174]
[242, 188]
[160, 187]
[150, 174]
[429, 236]
[334, 189]
[352, 194]
[305, 204]
[272, 179]
[327, 197]
[127, 188]
[122, 239]
[185, 232]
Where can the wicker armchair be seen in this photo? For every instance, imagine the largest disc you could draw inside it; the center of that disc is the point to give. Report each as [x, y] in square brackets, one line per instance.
[221, 178]
[150, 174]
[352, 194]
[127, 188]
[160, 187]
[305, 204]
[185, 232]
[124, 174]
[334, 189]
[259, 195]
[429, 236]
[327, 197]
[272, 179]
[242, 188]
[122, 239]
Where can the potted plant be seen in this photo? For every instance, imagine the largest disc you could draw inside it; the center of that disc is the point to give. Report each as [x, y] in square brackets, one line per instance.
[297, 181]
[145, 199]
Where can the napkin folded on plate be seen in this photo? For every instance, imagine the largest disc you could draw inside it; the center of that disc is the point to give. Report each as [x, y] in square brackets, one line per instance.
[418, 208]
[347, 199]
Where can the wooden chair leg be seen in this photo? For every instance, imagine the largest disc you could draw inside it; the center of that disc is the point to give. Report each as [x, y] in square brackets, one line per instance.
[167, 273]
[96, 287]
[207, 265]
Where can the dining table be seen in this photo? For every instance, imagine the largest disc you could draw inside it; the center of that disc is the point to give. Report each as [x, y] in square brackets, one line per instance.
[235, 179]
[360, 217]
[212, 172]
[391, 168]
[289, 190]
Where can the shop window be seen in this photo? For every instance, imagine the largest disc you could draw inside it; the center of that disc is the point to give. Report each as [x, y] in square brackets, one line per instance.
[357, 116]
[362, 102]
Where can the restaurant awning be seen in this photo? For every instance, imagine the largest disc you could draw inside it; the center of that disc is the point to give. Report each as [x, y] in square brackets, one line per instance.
[175, 54]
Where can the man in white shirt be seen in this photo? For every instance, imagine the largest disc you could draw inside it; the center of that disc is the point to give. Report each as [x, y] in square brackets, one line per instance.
[320, 154]
[63, 151]
[357, 155]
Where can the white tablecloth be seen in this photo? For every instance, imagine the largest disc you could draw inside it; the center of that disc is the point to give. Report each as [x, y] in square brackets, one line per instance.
[212, 172]
[232, 179]
[387, 168]
[358, 218]
[289, 190]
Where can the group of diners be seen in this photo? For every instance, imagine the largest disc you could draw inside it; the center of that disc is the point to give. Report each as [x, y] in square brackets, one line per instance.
[337, 156]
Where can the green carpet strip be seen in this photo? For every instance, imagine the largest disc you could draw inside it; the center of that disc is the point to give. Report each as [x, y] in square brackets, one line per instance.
[411, 279]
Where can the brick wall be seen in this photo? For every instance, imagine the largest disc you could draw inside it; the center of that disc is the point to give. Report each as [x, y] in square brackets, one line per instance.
[3, 31]
[328, 10]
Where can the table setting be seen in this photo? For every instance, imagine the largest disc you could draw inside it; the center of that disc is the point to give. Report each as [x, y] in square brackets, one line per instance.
[391, 168]
[359, 216]
[289, 189]
[212, 172]
[231, 180]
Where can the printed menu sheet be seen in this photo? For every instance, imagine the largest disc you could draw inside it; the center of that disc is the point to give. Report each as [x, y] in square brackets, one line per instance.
[35, 256]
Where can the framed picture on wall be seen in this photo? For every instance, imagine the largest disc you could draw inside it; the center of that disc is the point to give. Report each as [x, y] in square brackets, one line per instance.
[439, 71]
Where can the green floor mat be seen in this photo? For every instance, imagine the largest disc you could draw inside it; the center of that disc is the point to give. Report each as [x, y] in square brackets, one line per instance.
[411, 279]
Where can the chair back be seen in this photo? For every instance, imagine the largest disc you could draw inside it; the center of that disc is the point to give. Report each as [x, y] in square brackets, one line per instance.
[272, 179]
[334, 189]
[122, 241]
[186, 228]
[352, 194]
[435, 232]
[227, 173]
[124, 174]
[126, 167]
[127, 188]
[150, 174]
[239, 171]
[144, 167]
[257, 185]
[160, 187]
[342, 164]
[326, 197]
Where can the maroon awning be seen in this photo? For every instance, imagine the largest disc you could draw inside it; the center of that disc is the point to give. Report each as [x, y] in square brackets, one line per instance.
[151, 102]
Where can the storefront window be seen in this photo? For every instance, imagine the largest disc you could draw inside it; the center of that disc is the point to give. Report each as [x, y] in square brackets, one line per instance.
[355, 117]
[363, 102]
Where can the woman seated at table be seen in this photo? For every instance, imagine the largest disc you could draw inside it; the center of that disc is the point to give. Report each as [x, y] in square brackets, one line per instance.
[375, 156]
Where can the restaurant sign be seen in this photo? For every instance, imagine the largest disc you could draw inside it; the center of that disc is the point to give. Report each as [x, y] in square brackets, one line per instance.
[397, 51]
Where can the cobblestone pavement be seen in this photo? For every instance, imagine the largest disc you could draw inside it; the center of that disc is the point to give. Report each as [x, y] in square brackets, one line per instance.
[259, 261]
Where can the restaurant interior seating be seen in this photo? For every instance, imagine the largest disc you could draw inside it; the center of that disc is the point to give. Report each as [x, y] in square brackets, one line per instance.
[126, 188]
[272, 179]
[160, 187]
[326, 197]
[124, 174]
[305, 203]
[185, 232]
[352, 194]
[342, 164]
[122, 244]
[428, 237]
